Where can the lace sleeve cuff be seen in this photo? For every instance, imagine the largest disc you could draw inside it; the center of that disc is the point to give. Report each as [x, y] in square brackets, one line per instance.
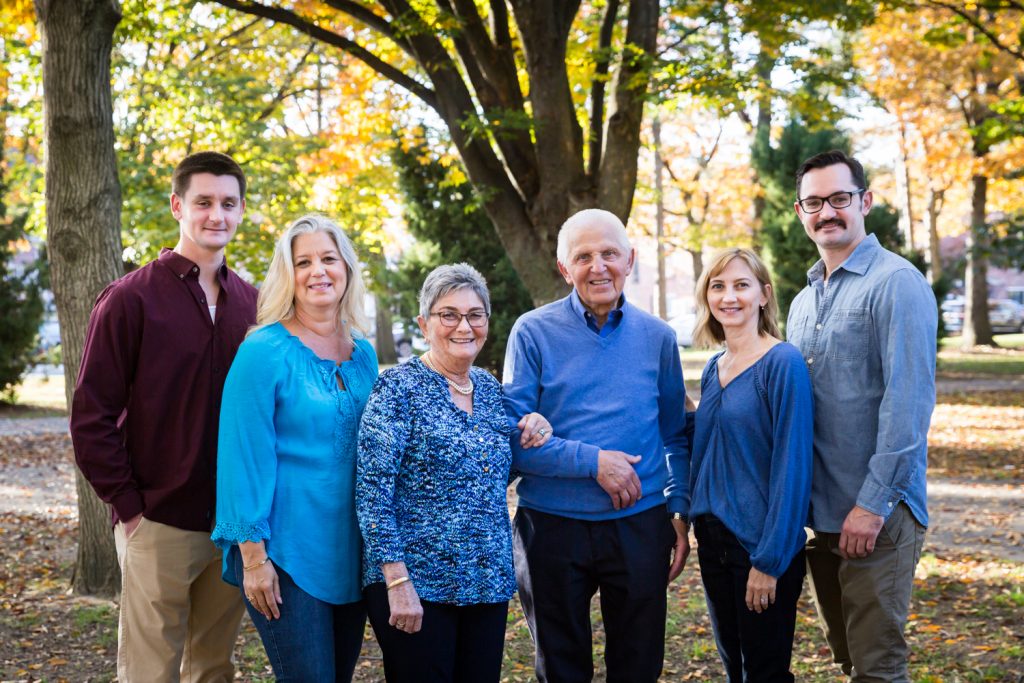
[226, 534]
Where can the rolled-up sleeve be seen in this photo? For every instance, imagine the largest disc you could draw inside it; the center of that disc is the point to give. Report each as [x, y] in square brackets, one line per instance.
[905, 328]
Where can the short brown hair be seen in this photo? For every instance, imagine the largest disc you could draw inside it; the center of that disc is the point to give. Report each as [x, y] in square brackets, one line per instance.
[708, 332]
[206, 162]
[832, 158]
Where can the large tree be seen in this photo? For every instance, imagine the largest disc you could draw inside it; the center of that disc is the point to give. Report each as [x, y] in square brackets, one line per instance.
[83, 205]
[512, 90]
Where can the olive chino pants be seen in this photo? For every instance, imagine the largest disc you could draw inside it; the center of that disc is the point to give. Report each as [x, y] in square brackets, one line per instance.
[863, 603]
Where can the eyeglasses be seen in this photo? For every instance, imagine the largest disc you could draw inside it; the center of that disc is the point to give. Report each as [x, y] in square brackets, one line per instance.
[452, 319]
[837, 200]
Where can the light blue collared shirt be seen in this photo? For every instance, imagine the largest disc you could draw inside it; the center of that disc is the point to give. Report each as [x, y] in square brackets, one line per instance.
[868, 337]
[610, 324]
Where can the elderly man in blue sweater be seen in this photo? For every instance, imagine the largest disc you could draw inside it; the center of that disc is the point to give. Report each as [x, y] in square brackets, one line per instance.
[602, 505]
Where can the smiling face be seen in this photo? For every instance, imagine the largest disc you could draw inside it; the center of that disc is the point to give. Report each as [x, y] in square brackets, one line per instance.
[454, 348]
[837, 232]
[597, 263]
[735, 297]
[321, 276]
[207, 215]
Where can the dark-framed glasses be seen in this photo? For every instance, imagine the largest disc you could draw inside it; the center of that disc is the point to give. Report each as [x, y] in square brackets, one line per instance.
[452, 319]
[837, 200]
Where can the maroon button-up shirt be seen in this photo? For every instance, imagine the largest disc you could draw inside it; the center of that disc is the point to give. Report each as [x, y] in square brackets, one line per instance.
[147, 404]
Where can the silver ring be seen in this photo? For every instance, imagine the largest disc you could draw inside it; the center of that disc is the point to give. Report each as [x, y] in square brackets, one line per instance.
[764, 599]
[542, 431]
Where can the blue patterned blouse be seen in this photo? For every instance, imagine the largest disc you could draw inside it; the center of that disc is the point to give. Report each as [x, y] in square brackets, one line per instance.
[430, 486]
[286, 459]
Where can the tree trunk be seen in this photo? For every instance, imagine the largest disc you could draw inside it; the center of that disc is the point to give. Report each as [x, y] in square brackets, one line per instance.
[659, 218]
[935, 199]
[83, 218]
[386, 354]
[977, 329]
[698, 263]
[908, 202]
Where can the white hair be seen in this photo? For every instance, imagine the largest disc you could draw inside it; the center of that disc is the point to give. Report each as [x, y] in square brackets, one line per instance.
[585, 219]
[446, 279]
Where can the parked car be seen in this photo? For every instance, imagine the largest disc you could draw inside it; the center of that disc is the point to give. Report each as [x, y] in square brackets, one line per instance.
[1004, 315]
[683, 326]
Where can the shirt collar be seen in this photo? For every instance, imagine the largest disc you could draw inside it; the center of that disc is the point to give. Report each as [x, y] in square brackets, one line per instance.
[581, 310]
[183, 267]
[857, 262]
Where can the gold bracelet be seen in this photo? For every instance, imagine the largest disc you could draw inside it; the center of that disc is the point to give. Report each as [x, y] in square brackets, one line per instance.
[256, 565]
[398, 582]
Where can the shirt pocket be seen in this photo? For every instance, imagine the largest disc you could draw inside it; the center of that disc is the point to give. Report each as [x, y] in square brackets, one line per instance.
[851, 334]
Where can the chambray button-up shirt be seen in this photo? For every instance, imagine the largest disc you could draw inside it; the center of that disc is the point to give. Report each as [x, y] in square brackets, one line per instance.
[868, 337]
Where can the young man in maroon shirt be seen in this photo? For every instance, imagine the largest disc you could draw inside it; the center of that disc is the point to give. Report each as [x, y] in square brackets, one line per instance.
[144, 425]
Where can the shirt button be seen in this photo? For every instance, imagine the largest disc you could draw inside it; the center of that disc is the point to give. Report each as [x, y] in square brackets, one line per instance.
[181, 276]
[818, 326]
[195, 269]
[810, 361]
[890, 504]
[480, 439]
[486, 468]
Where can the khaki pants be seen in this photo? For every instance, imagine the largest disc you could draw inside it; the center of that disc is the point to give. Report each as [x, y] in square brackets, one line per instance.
[863, 603]
[179, 620]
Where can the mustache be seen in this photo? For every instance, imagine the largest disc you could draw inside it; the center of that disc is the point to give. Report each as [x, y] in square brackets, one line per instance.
[837, 222]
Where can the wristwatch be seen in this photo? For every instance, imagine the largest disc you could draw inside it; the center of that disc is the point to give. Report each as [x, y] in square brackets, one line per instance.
[678, 515]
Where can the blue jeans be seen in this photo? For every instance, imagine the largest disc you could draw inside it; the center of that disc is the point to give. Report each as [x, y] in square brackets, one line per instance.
[313, 641]
[753, 647]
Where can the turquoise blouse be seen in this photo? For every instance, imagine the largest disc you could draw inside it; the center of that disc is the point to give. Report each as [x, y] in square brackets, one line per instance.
[286, 459]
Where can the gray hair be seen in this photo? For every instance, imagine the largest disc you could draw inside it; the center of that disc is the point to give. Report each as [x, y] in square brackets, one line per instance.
[446, 279]
[584, 219]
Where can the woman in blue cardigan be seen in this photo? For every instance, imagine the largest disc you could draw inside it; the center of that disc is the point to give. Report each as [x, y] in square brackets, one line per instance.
[750, 473]
[287, 456]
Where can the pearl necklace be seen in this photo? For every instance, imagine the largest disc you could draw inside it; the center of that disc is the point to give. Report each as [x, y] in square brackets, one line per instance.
[465, 391]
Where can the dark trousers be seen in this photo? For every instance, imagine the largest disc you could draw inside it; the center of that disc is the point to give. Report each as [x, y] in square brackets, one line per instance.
[560, 564]
[457, 644]
[313, 641]
[753, 647]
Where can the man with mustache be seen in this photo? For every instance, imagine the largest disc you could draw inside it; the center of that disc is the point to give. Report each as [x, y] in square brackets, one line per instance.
[866, 325]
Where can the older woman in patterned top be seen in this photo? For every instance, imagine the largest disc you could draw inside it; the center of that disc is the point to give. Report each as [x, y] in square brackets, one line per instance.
[432, 472]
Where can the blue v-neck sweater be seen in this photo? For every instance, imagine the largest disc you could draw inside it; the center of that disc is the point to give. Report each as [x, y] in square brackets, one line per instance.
[623, 391]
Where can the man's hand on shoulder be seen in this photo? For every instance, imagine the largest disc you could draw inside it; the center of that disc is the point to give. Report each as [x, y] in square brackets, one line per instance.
[860, 529]
[616, 476]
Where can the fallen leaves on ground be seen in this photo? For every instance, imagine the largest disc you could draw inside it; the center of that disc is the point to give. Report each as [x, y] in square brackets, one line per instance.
[965, 622]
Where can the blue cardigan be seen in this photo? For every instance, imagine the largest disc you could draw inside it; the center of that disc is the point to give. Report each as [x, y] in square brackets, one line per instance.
[431, 486]
[287, 459]
[753, 455]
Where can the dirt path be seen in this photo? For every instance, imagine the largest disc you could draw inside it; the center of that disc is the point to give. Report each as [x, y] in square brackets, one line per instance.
[982, 519]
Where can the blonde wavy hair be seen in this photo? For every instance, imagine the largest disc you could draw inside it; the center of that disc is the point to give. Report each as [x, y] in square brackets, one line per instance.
[708, 332]
[276, 301]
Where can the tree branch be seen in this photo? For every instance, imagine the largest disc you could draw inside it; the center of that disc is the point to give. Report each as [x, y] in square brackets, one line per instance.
[383, 68]
[604, 59]
[979, 26]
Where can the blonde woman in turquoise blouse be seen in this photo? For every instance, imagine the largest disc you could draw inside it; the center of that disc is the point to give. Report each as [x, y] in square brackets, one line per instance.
[287, 456]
